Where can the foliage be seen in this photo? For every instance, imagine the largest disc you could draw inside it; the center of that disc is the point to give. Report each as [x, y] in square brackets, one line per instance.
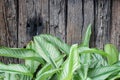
[49, 58]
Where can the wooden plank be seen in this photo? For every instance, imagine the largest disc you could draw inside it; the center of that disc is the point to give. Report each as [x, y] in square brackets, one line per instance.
[102, 22]
[2, 25]
[57, 18]
[74, 21]
[115, 30]
[22, 20]
[34, 19]
[9, 23]
[8, 30]
[45, 15]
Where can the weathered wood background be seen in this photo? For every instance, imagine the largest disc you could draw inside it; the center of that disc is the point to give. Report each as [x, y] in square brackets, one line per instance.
[20, 20]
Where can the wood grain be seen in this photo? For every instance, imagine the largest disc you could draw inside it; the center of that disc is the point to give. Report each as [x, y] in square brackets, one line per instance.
[102, 22]
[74, 22]
[57, 18]
[22, 20]
[115, 30]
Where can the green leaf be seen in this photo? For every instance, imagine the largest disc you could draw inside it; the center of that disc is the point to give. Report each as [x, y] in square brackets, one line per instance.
[49, 67]
[46, 50]
[44, 69]
[33, 65]
[86, 39]
[71, 64]
[9, 76]
[112, 52]
[19, 53]
[83, 50]
[97, 61]
[115, 77]
[15, 68]
[47, 74]
[85, 58]
[104, 72]
[65, 48]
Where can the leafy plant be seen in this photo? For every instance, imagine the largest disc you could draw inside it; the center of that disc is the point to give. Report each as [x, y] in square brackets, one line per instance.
[49, 58]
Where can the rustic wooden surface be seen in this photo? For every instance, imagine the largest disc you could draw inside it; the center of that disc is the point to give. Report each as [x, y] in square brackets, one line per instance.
[115, 29]
[20, 20]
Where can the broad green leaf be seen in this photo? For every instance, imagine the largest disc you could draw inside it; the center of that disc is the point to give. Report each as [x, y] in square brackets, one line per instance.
[83, 71]
[85, 58]
[112, 52]
[97, 61]
[44, 69]
[19, 53]
[46, 50]
[83, 50]
[85, 64]
[85, 61]
[65, 48]
[71, 64]
[104, 72]
[33, 65]
[47, 74]
[15, 68]
[49, 67]
[14, 76]
[9, 76]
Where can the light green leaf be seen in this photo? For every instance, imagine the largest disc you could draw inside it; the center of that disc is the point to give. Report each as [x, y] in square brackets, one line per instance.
[104, 72]
[86, 39]
[86, 63]
[85, 58]
[19, 53]
[46, 50]
[65, 48]
[97, 61]
[44, 69]
[47, 74]
[49, 67]
[15, 68]
[86, 50]
[71, 64]
[31, 64]
[112, 52]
